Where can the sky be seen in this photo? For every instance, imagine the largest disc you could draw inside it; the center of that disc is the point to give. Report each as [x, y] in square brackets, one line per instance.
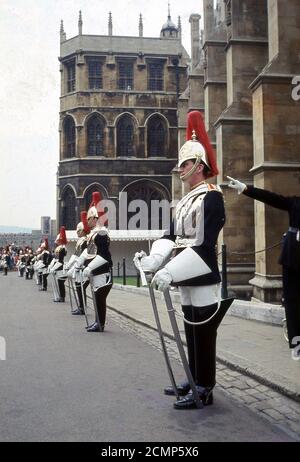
[30, 88]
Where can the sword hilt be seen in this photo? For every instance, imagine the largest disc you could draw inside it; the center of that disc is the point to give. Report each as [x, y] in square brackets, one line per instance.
[142, 273]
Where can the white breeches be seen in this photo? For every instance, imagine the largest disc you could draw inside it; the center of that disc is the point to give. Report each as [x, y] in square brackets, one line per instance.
[54, 286]
[100, 281]
[200, 295]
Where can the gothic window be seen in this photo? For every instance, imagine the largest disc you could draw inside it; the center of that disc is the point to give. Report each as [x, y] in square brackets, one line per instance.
[144, 191]
[68, 212]
[149, 192]
[70, 138]
[155, 76]
[95, 135]
[156, 137]
[95, 74]
[71, 73]
[125, 137]
[228, 12]
[125, 76]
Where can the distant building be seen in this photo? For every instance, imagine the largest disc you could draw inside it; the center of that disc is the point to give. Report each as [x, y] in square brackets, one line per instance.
[45, 226]
[118, 116]
[32, 239]
[21, 239]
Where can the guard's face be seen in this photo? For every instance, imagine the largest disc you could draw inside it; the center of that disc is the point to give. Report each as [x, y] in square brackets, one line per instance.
[80, 232]
[92, 222]
[185, 167]
[193, 177]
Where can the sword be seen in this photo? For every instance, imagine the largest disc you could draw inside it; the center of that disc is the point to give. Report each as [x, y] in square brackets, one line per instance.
[182, 354]
[94, 300]
[142, 272]
[70, 295]
[159, 328]
[72, 290]
[83, 298]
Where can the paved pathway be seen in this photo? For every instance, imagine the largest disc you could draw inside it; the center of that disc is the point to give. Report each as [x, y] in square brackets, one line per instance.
[60, 383]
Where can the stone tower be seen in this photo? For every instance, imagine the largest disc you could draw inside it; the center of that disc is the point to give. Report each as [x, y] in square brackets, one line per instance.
[118, 116]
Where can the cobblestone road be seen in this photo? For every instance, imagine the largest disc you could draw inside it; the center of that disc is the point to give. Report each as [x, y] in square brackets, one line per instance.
[276, 408]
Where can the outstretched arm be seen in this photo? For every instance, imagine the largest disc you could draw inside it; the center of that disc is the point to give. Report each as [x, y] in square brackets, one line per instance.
[267, 197]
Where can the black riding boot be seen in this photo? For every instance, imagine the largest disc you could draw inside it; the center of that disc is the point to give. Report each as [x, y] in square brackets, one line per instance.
[80, 308]
[204, 338]
[45, 282]
[184, 387]
[62, 290]
[100, 299]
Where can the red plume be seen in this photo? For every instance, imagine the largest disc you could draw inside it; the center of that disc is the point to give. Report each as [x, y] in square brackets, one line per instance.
[96, 197]
[62, 236]
[46, 244]
[83, 218]
[195, 122]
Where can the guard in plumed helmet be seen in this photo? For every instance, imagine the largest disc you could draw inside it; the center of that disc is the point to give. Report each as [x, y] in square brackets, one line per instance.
[45, 260]
[4, 262]
[56, 267]
[82, 231]
[97, 263]
[21, 263]
[37, 262]
[191, 242]
[28, 264]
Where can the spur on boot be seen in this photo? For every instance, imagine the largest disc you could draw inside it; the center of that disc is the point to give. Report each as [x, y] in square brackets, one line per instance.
[78, 312]
[182, 389]
[95, 328]
[188, 402]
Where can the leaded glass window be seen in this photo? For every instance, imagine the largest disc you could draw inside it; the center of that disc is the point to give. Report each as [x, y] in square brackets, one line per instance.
[156, 137]
[71, 72]
[125, 76]
[70, 138]
[95, 74]
[155, 76]
[95, 134]
[69, 218]
[125, 137]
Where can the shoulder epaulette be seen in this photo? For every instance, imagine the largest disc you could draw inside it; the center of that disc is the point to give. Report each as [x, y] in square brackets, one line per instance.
[214, 187]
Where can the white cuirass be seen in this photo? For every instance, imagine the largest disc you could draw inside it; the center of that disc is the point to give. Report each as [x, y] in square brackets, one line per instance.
[189, 218]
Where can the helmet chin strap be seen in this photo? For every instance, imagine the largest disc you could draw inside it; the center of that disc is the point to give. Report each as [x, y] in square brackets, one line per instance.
[190, 172]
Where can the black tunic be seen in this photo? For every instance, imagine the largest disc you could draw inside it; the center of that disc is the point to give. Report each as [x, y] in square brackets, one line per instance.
[101, 242]
[290, 254]
[289, 258]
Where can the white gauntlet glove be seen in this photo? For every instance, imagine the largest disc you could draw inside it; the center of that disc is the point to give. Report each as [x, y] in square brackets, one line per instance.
[160, 251]
[71, 262]
[149, 264]
[236, 184]
[87, 272]
[162, 279]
